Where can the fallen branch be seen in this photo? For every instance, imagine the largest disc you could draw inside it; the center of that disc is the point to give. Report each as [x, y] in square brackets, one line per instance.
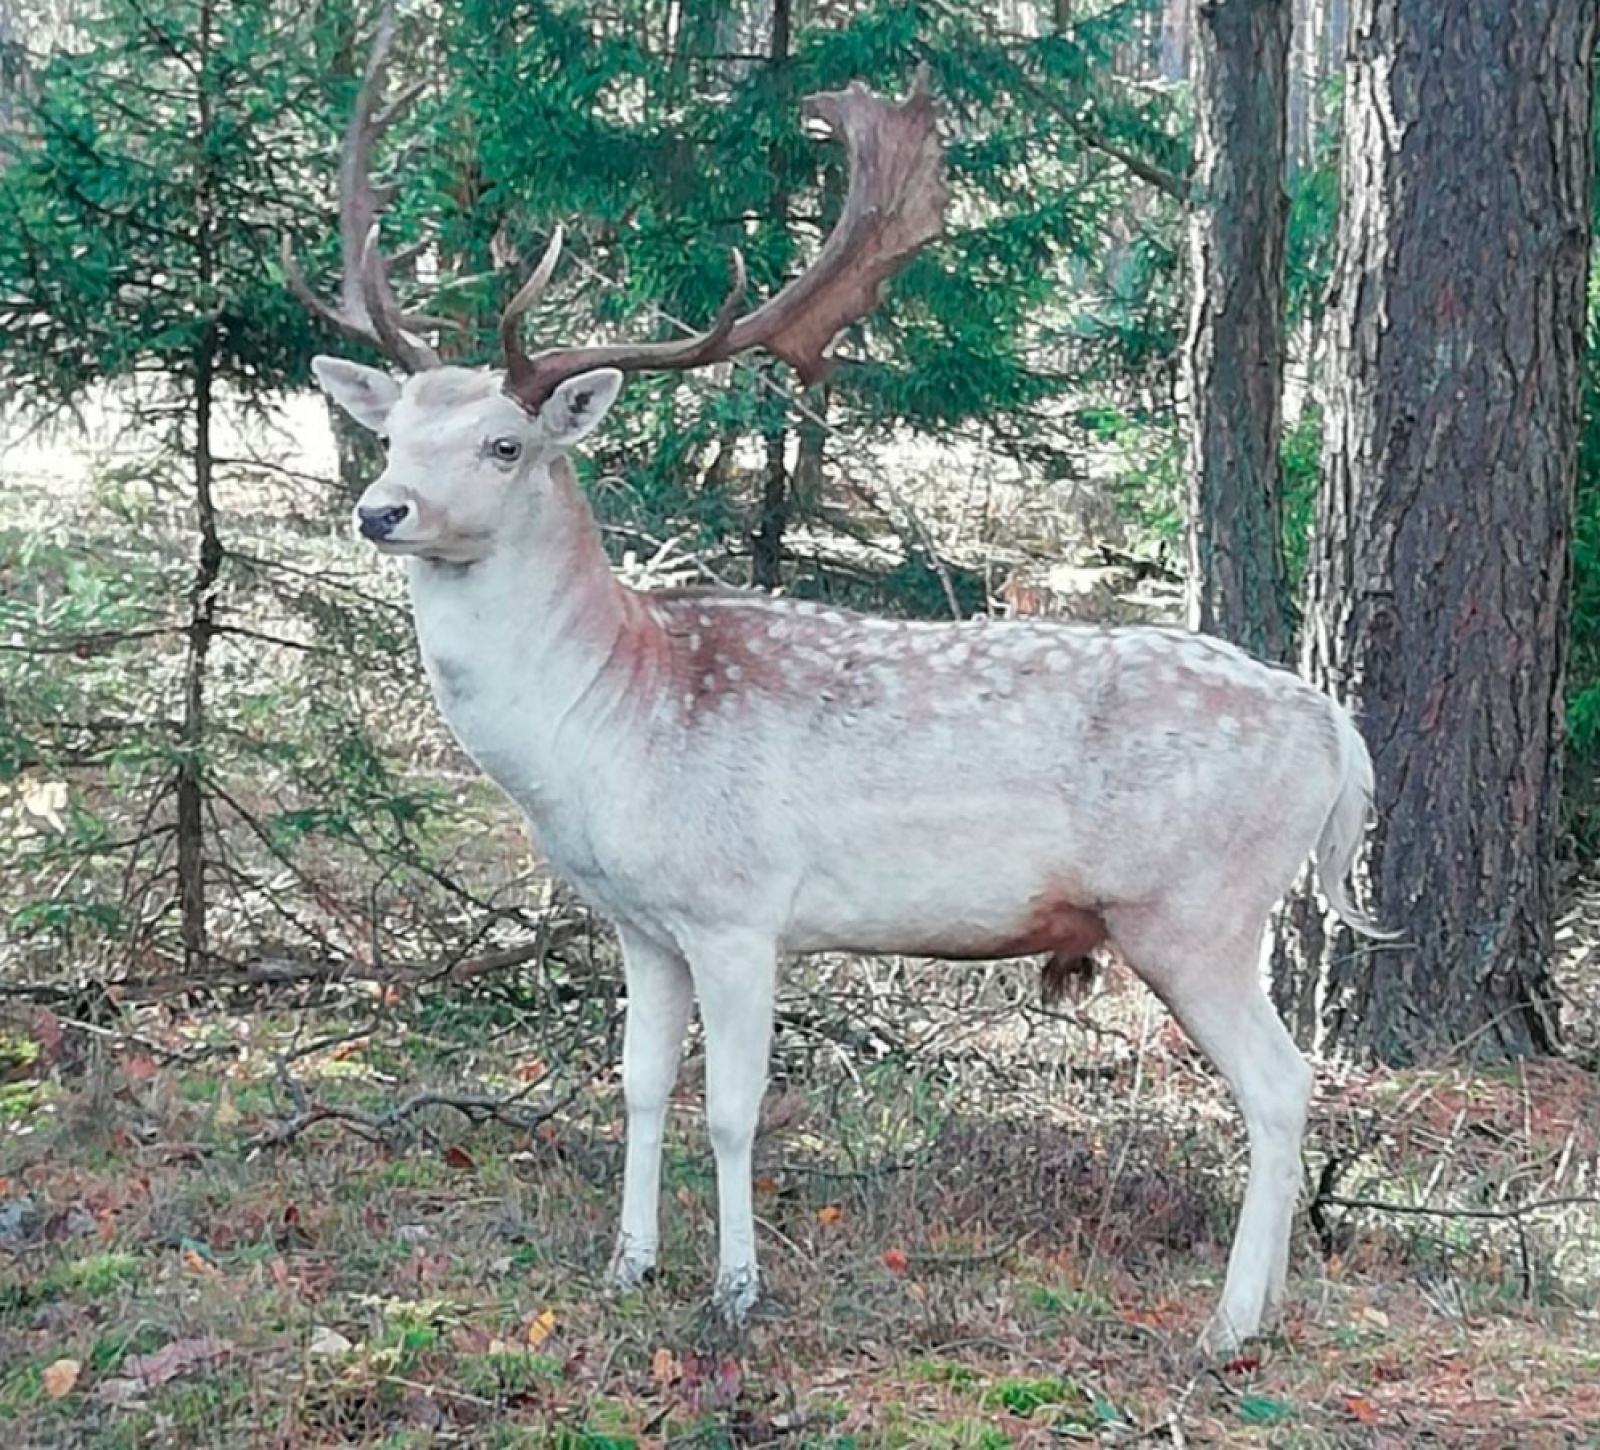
[477, 1108]
[1425, 1210]
[265, 970]
[39, 992]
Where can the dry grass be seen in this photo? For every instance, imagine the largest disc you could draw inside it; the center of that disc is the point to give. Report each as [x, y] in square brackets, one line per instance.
[983, 1226]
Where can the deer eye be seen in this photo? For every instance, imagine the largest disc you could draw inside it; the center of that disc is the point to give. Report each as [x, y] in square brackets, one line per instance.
[505, 450]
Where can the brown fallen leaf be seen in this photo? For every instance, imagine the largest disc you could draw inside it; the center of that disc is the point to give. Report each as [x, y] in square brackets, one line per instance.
[48, 1033]
[1360, 1408]
[176, 1358]
[830, 1214]
[60, 1377]
[663, 1367]
[421, 1409]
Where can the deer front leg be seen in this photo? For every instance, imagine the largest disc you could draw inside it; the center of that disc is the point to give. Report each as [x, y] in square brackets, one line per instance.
[735, 981]
[660, 995]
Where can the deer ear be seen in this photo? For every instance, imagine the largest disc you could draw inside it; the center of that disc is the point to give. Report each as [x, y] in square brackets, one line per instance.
[364, 393]
[578, 404]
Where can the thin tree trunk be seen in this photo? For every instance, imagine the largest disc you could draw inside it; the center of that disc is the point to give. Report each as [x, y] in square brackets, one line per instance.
[190, 783]
[766, 565]
[766, 551]
[359, 453]
[805, 486]
[1235, 354]
[9, 71]
[1440, 584]
[190, 790]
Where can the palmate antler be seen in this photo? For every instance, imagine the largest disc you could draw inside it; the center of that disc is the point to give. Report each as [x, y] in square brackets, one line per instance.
[894, 204]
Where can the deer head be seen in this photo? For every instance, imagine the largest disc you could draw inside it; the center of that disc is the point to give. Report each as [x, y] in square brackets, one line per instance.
[469, 448]
[465, 460]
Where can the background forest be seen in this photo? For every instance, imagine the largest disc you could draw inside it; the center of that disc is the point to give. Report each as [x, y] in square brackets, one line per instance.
[307, 1094]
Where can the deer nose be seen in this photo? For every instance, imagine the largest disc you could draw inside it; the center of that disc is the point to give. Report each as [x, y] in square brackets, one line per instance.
[380, 523]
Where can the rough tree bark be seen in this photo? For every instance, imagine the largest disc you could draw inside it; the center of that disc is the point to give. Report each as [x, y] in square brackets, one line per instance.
[1235, 353]
[1439, 593]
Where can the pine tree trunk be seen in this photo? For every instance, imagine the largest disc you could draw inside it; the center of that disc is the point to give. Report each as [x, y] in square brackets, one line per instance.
[190, 784]
[1440, 573]
[1235, 353]
[766, 544]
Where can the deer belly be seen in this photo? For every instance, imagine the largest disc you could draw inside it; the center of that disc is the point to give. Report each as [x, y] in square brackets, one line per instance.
[955, 920]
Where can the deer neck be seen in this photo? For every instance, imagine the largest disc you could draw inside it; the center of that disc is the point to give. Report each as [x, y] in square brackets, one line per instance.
[519, 646]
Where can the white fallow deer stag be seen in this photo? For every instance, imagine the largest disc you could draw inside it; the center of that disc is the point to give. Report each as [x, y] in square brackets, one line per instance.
[733, 778]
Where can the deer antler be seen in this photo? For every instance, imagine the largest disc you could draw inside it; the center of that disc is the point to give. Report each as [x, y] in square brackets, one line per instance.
[367, 308]
[894, 204]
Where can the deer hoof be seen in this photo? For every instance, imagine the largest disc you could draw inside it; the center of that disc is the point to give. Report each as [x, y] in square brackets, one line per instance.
[736, 1293]
[1220, 1339]
[632, 1267]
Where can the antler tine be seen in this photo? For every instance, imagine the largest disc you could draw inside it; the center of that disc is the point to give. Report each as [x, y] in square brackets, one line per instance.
[894, 204]
[410, 352]
[531, 380]
[302, 288]
[367, 308]
[697, 353]
[517, 360]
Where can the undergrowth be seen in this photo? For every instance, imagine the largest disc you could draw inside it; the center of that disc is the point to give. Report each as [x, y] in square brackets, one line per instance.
[983, 1225]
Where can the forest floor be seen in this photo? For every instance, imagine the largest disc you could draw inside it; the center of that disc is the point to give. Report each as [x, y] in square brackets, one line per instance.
[244, 1227]
[377, 1212]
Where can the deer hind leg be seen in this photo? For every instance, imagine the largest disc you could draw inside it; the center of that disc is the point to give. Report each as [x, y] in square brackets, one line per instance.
[1212, 985]
[735, 977]
[660, 996]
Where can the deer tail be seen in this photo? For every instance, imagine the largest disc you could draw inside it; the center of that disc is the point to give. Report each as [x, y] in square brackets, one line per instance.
[1346, 824]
